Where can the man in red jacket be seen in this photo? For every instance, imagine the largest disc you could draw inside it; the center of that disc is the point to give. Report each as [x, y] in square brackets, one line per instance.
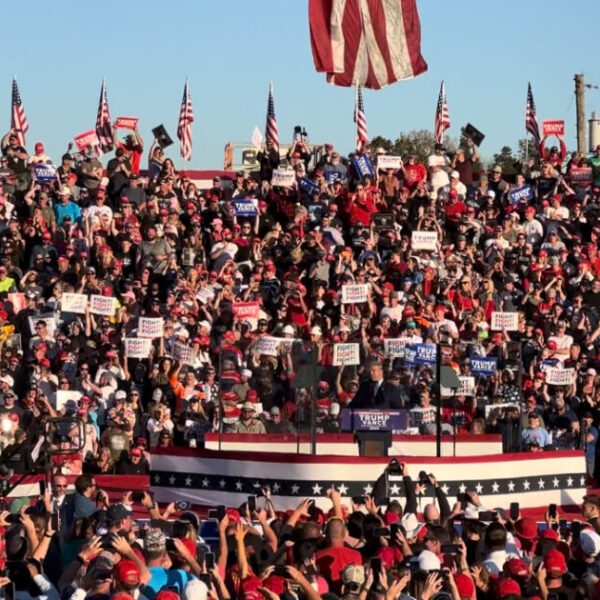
[362, 206]
[552, 155]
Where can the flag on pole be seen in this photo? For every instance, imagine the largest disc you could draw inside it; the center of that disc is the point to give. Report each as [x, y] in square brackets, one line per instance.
[442, 116]
[369, 42]
[103, 125]
[18, 120]
[257, 138]
[362, 137]
[184, 127]
[531, 124]
[271, 131]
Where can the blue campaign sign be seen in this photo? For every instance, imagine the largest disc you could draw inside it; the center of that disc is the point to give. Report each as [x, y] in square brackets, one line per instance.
[374, 420]
[333, 176]
[245, 208]
[483, 365]
[410, 355]
[307, 186]
[44, 173]
[425, 354]
[521, 194]
[363, 166]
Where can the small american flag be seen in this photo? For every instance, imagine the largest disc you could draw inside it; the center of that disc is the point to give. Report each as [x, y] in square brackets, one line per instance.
[442, 116]
[103, 125]
[271, 131]
[531, 124]
[362, 136]
[18, 120]
[184, 127]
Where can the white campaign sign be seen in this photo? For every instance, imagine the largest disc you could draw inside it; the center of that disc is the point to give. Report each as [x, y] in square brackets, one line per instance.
[389, 162]
[73, 303]
[63, 396]
[508, 321]
[137, 347]
[355, 294]
[102, 305]
[424, 240]
[48, 319]
[150, 327]
[394, 347]
[556, 376]
[183, 354]
[269, 345]
[346, 354]
[283, 178]
[467, 387]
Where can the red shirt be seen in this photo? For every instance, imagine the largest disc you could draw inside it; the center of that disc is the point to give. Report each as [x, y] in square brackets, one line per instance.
[414, 174]
[360, 212]
[136, 156]
[454, 210]
[332, 561]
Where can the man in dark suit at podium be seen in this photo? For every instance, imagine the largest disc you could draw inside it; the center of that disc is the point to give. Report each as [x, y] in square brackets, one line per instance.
[376, 392]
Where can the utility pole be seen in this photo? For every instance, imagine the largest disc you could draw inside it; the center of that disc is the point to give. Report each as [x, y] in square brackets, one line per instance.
[581, 122]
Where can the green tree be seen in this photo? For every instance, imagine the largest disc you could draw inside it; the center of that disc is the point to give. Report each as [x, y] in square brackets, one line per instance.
[506, 159]
[527, 149]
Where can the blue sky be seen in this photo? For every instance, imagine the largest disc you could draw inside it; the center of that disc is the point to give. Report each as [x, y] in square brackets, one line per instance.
[486, 52]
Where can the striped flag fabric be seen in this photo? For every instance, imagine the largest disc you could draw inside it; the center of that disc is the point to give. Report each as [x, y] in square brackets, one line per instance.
[271, 131]
[371, 42]
[18, 119]
[442, 116]
[531, 124]
[362, 138]
[103, 125]
[184, 126]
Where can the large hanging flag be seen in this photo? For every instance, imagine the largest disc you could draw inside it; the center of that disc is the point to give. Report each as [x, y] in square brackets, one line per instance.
[184, 127]
[18, 120]
[271, 131]
[369, 42]
[103, 125]
[362, 137]
[531, 124]
[442, 116]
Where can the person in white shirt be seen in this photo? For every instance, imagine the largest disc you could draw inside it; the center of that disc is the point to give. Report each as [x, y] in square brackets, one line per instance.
[532, 228]
[438, 165]
[458, 185]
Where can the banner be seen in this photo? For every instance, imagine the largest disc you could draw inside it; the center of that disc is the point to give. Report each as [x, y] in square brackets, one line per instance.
[355, 293]
[426, 354]
[48, 319]
[245, 207]
[86, 139]
[556, 376]
[395, 347]
[126, 123]
[184, 354]
[44, 173]
[283, 178]
[61, 397]
[498, 410]
[346, 354]
[424, 240]
[363, 166]
[508, 321]
[483, 365]
[73, 303]
[385, 162]
[245, 310]
[581, 176]
[102, 305]
[553, 127]
[137, 347]
[467, 387]
[520, 194]
[150, 327]
[257, 137]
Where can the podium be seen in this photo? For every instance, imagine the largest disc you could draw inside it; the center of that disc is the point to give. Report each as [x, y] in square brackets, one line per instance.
[373, 443]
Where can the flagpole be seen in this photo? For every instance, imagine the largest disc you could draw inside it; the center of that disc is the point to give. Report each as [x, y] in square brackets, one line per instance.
[186, 103]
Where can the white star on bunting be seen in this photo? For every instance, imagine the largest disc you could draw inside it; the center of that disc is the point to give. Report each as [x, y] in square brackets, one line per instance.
[368, 489]
[495, 487]
[172, 479]
[462, 488]
[317, 489]
[526, 484]
[188, 481]
[205, 482]
[555, 482]
[222, 483]
[570, 481]
[238, 485]
[541, 483]
[582, 481]
[256, 485]
[343, 489]
[395, 490]
[511, 486]
[445, 489]
[157, 478]
[295, 488]
[276, 487]
[479, 488]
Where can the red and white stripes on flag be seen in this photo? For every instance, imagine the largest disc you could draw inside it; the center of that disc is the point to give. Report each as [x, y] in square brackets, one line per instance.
[184, 127]
[362, 137]
[369, 42]
[271, 130]
[442, 116]
[18, 120]
[103, 125]
[531, 124]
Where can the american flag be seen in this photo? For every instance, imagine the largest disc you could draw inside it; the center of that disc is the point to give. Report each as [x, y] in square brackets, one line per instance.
[103, 125]
[271, 131]
[184, 127]
[531, 124]
[362, 137]
[18, 120]
[442, 116]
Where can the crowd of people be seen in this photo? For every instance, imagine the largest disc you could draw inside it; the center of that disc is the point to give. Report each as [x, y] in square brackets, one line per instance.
[247, 282]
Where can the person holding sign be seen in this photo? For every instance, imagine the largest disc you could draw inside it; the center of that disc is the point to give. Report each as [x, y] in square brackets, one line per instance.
[553, 155]
[132, 148]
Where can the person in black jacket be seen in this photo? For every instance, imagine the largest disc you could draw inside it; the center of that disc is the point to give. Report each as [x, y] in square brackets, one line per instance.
[134, 464]
[268, 160]
[376, 392]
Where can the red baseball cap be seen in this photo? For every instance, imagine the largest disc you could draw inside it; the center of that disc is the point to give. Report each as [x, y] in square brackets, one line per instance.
[167, 595]
[136, 452]
[555, 563]
[515, 567]
[127, 572]
[508, 586]
[526, 528]
[465, 586]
